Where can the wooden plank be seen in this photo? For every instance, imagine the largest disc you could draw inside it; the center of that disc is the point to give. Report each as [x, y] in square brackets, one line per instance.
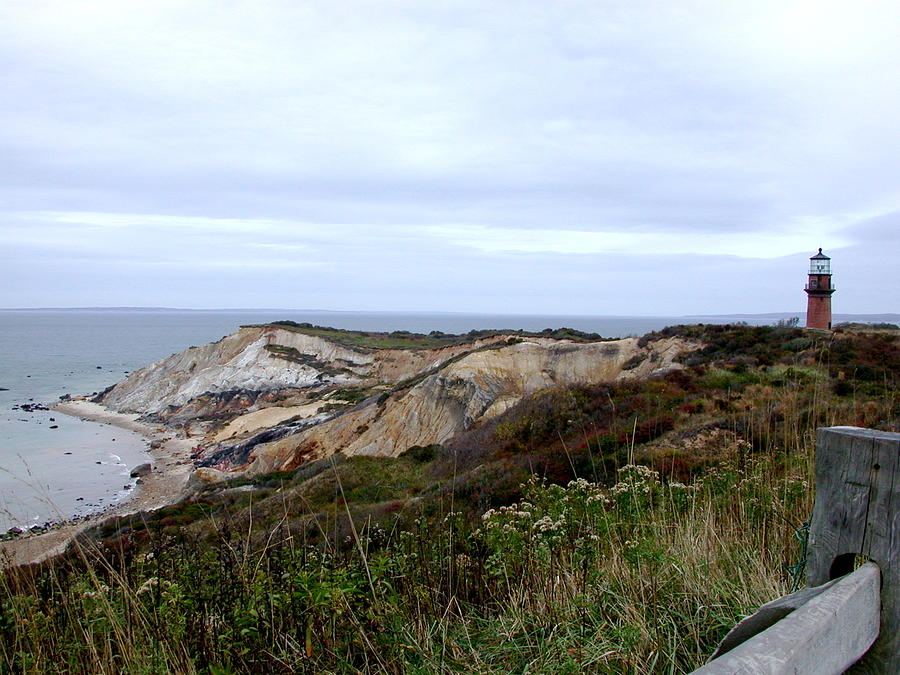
[766, 616]
[824, 636]
[881, 544]
[842, 500]
[857, 512]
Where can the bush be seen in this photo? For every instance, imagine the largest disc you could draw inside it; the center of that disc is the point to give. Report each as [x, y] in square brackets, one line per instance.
[421, 453]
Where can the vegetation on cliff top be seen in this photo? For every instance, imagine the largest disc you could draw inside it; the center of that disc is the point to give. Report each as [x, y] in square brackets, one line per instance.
[401, 339]
[611, 528]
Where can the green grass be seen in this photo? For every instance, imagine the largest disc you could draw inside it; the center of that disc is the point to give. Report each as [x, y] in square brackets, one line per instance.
[367, 341]
[642, 576]
[352, 395]
[370, 340]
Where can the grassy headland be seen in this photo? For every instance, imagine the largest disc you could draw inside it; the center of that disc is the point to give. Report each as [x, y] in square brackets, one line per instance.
[401, 339]
[609, 528]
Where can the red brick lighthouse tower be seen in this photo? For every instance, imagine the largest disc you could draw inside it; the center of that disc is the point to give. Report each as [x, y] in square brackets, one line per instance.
[818, 290]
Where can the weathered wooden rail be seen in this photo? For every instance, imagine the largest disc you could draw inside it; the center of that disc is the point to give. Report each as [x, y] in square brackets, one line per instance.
[846, 619]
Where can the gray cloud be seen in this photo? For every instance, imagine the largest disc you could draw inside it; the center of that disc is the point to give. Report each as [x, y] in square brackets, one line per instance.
[383, 143]
[880, 230]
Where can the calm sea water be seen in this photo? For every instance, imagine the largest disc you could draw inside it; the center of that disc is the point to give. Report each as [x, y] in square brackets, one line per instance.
[49, 473]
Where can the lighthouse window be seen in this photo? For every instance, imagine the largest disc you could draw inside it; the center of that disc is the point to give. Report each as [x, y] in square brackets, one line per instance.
[813, 283]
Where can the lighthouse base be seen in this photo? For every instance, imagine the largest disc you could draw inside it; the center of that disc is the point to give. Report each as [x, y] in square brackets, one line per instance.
[818, 312]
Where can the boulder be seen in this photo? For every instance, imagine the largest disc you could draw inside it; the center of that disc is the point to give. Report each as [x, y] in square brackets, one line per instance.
[141, 470]
[203, 477]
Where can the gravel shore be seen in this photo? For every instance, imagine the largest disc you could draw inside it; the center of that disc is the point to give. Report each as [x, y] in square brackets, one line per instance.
[172, 467]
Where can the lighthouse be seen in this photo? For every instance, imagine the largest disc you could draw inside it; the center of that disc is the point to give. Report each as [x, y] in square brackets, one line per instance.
[818, 291]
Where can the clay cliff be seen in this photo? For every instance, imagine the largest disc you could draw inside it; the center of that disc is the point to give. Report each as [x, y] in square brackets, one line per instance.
[270, 397]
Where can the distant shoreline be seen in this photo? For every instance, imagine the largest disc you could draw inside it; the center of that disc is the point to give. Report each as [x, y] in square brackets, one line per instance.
[865, 317]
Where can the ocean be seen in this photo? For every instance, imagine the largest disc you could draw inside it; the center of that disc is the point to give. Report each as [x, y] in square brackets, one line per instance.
[54, 467]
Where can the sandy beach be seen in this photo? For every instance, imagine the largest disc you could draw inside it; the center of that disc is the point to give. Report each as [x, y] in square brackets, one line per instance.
[172, 467]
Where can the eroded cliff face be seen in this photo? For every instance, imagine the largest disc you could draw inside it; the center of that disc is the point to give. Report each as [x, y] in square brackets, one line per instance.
[236, 362]
[401, 397]
[256, 360]
[479, 385]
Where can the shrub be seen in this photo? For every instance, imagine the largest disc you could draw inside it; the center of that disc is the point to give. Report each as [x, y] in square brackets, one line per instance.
[421, 453]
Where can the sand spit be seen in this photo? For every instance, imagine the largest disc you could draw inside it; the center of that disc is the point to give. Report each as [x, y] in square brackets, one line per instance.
[172, 467]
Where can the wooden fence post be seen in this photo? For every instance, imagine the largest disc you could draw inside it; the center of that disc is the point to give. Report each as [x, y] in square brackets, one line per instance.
[857, 512]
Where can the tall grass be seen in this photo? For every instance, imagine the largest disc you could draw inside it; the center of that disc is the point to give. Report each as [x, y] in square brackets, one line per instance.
[643, 576]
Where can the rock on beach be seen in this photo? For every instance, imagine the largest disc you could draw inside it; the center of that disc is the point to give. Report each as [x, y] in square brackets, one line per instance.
[141, 470]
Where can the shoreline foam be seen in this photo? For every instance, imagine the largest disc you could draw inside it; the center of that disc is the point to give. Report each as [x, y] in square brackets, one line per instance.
[172, 467]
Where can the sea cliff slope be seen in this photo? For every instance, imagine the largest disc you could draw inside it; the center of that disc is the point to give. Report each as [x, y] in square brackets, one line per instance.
[271, 397]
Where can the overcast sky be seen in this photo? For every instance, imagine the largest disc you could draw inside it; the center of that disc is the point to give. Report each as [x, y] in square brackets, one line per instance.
[595, 157]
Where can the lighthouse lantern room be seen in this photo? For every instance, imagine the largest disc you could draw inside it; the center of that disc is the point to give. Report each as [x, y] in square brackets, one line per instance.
[818, 291]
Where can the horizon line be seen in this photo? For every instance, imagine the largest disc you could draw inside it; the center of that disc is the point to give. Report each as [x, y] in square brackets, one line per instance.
[125, 308]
